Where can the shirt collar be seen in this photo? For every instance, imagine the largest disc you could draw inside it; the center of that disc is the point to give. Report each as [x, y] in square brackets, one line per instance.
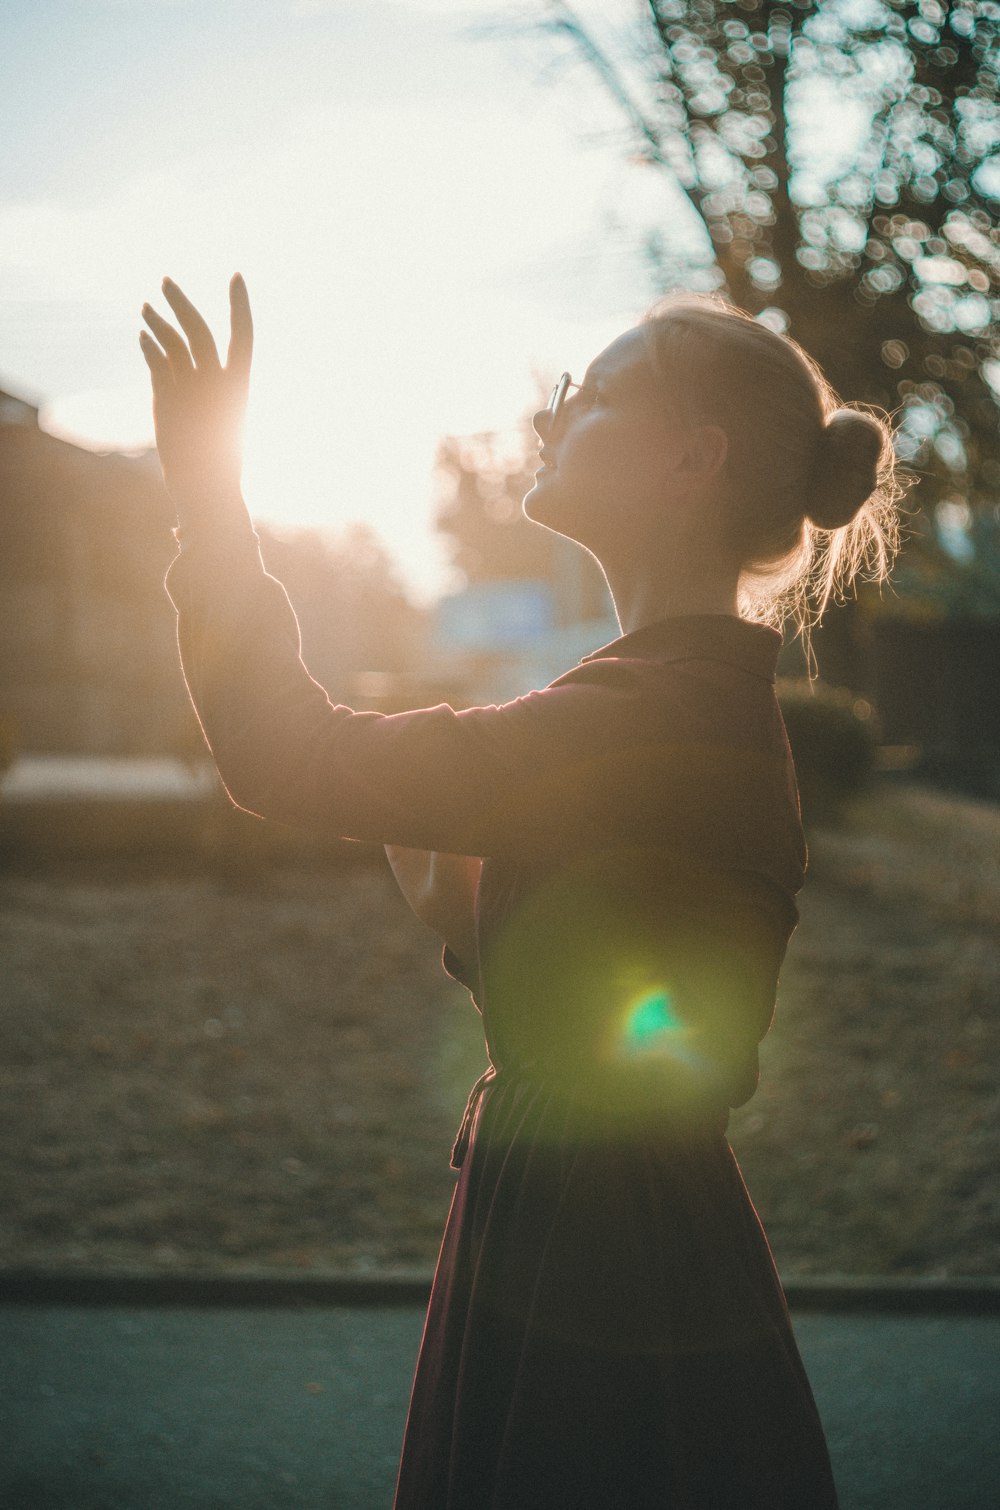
[703, 636]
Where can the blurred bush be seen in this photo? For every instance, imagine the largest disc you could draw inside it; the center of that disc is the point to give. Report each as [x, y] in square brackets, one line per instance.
[832, 733]
[973, 770]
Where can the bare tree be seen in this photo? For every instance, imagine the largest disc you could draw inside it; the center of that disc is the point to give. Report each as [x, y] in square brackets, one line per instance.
[882, 256]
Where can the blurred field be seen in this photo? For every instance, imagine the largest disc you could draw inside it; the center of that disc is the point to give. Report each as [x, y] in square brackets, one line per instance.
[221, 1065]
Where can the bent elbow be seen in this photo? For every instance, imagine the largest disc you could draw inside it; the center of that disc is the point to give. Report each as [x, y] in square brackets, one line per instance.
[248, 787]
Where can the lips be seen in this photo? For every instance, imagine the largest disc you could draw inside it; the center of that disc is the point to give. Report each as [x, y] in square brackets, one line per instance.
[547, 460]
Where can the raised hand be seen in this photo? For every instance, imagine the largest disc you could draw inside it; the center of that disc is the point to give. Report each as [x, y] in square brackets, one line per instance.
[198, 404]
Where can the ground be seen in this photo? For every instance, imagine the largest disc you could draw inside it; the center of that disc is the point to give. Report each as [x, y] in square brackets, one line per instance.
[241, 1067]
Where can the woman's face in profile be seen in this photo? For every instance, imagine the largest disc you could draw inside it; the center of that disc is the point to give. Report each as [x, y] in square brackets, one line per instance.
[609, 454]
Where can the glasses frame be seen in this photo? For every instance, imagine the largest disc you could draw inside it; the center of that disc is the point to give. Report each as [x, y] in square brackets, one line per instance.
[558, 397]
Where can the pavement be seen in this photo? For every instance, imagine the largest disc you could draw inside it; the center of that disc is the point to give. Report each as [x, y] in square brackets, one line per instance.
[290, 1398]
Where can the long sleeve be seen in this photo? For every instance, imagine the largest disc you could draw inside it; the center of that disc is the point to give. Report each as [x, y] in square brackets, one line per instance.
[481, 781]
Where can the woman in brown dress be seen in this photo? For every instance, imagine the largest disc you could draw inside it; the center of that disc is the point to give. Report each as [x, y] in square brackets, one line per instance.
[612, 862]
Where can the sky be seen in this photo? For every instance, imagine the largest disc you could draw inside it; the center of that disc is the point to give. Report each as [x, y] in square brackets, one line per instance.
[433, 220]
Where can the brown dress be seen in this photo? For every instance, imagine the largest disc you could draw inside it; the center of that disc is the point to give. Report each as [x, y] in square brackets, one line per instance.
[606, 1326]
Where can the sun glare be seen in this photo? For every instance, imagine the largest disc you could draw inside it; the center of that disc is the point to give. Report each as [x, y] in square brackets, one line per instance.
[409, 268]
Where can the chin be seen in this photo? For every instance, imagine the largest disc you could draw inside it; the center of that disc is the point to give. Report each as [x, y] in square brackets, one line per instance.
[544, 505]
[541, 502]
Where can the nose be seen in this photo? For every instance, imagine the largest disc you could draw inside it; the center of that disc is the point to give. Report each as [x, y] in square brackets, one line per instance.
[541, 423]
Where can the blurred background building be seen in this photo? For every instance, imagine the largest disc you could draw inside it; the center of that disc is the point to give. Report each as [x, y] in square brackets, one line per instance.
[87, 653]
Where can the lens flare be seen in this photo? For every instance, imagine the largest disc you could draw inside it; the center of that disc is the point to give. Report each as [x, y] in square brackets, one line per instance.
[653, 1027]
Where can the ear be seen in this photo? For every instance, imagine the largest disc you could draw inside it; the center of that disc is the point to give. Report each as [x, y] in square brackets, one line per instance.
[706, 448]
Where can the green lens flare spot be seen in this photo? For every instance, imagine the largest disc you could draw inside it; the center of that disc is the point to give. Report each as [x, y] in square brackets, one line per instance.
[652, 1023]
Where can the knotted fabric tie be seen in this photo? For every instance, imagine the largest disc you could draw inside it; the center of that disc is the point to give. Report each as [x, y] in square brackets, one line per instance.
[461, 1147]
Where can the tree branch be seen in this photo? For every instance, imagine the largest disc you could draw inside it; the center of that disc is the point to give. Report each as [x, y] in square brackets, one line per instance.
[566, 21]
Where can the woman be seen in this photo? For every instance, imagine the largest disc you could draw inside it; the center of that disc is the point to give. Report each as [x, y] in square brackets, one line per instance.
[612, 863]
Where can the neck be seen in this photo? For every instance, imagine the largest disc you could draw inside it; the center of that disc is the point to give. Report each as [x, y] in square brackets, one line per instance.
[641, 600]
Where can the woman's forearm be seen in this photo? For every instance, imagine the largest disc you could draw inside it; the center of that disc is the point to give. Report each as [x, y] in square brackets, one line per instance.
[441, 890]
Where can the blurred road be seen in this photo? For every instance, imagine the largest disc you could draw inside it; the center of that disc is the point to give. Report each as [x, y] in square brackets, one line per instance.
[302, 1408]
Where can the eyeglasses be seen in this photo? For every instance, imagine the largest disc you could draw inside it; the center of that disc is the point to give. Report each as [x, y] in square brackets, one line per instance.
[559, 393]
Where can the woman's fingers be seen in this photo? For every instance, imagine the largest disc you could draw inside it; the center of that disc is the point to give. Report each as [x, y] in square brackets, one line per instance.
[240, 351]
[176, 351]
[157, 363]
[194, 326]
[203, 352]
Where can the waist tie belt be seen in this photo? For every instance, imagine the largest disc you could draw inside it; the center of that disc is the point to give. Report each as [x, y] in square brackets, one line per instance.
[505, 1072]
[710, 1116]
[476, 1094]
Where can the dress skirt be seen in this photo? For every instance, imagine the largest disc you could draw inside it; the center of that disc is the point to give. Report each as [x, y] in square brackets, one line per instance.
[606, 1328]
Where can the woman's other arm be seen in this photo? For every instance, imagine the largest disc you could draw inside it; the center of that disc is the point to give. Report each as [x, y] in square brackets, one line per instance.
[441, 890]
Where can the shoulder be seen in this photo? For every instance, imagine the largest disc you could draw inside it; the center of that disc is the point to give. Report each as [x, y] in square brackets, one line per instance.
[696, 691]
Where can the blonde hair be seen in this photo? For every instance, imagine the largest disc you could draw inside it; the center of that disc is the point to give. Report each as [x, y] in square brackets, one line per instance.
[811, 485]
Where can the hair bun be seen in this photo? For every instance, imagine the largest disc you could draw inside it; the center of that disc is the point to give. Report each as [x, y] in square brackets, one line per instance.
[845, 471]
